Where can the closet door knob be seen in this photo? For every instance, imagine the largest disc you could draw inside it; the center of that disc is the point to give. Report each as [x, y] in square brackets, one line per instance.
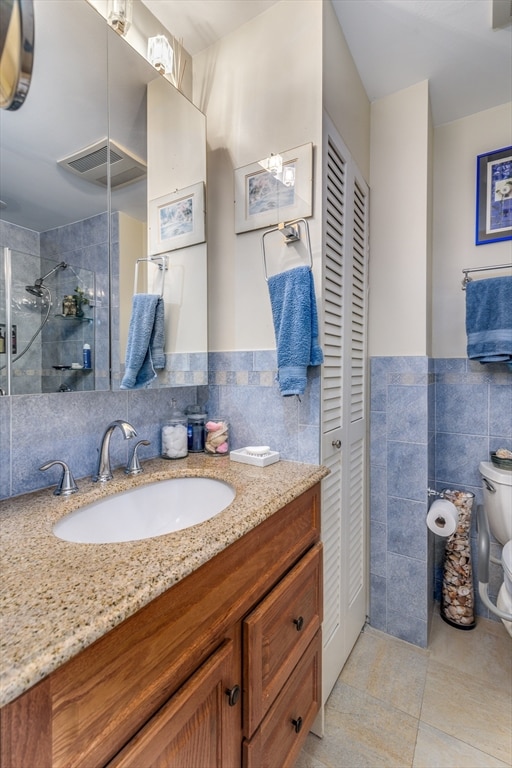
[233, 695]
[336, 443]
[297, 724]
[299, 623]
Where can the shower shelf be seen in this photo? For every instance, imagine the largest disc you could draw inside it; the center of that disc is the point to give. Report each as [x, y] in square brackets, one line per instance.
[74, 317]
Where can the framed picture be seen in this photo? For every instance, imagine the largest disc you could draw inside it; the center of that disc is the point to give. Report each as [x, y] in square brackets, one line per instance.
[494, 196]
[264, 198]
[176, 220]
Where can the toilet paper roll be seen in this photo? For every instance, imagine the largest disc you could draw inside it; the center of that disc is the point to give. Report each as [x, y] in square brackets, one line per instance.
[442, 517]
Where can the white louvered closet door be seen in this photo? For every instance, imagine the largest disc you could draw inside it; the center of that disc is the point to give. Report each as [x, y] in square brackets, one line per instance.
[345, 265]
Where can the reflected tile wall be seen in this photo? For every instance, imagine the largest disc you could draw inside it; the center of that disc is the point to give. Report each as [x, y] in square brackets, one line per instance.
[83, 245]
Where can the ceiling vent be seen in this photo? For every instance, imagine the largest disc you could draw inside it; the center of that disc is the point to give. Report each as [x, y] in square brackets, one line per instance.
[501, 13]
[90, 164]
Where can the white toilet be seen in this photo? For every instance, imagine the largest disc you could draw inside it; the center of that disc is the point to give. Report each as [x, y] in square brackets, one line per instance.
[497, 489]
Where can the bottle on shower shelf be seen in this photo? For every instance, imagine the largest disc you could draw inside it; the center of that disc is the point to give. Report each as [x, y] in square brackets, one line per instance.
[86, 355]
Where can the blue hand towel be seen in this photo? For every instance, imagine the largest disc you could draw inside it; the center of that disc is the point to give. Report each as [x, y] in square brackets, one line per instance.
[145, 348]
[489, 320]
[292, 298]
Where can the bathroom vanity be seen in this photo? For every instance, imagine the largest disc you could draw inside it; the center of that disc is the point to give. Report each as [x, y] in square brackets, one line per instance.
[210, 657]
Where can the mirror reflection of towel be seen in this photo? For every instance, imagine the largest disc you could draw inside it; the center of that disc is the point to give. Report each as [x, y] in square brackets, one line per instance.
[489, 320]
[293, 302]
[145, 348]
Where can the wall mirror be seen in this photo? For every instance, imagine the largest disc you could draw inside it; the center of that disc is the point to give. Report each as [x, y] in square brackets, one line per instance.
[79, 180]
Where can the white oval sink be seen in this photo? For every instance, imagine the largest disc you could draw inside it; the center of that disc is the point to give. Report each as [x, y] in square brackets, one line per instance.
[148, 511]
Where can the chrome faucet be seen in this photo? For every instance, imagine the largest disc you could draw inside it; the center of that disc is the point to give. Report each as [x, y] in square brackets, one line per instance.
[104, 472]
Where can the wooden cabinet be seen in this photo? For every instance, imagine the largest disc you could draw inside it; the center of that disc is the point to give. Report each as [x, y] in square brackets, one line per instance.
[161, 688]
[277, 633]
[279, 739]
[198, 726]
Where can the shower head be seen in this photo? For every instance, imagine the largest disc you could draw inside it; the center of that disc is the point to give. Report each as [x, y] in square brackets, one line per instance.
[36, 290]
[38, 287]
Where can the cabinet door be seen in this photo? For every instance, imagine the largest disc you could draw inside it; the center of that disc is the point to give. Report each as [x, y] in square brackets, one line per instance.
[280, 737]
[199, 727]
[277, 633]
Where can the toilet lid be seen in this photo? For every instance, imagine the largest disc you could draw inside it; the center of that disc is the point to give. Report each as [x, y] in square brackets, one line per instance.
[488, 470]
[506, 558]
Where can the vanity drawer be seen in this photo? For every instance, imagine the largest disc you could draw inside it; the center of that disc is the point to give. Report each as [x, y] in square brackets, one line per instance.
[279, 739]
[277, 633]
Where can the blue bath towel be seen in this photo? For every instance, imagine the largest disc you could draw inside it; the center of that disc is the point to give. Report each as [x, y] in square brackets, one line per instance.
[489, 320]
[145, 348]
[292, 298]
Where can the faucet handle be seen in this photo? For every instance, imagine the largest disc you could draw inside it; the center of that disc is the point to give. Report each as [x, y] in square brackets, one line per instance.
[133, 467]
[67, 484]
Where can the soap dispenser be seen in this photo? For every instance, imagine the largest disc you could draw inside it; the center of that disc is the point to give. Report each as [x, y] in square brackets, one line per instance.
[175, 435]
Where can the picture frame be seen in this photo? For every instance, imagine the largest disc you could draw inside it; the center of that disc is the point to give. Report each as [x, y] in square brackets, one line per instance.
[494, 196]
[264, 198]
[177, 220]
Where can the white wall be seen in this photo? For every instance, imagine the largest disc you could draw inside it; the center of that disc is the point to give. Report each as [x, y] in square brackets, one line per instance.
[261, 89]
[400, 182]
[344, 97]
[457, 145]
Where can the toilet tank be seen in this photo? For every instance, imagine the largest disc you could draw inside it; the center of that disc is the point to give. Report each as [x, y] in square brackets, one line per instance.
[498, 505]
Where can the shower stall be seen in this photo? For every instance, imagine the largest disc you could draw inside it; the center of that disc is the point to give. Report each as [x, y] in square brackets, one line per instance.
[46, 317]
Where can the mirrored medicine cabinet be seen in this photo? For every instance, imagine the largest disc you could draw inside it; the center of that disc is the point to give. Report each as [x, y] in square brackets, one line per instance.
[100, 140]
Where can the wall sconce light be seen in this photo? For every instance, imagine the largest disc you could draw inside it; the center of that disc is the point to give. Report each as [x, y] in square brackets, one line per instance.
[160, 54]
[119, 15]
[273, 164]
[289, 175]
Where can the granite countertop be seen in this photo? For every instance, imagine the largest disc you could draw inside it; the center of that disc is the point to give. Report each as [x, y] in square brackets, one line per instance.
[58, 597]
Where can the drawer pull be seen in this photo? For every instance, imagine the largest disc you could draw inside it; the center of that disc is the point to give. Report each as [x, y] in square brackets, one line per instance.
[297, 724]
[336, 443]
[233, 695]
[299, 623]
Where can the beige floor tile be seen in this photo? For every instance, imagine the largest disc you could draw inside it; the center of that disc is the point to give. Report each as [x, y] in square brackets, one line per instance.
[484, 652]
[363, 732]
[388, 669]
[461, 706]
[307, 758]
[435, 749]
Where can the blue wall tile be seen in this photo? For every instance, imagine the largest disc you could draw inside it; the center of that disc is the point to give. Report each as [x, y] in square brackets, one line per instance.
[462, 407]
[500, 410]
[378, 549]
[407, 579]
[407, 470]
[408, 628]
[407, 414]
[378, 493]
[378, 441]
[378, 611]
[407, 530]
[458, 457]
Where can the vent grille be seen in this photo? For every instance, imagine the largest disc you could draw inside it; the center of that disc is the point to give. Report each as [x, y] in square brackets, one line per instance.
[90, 164]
